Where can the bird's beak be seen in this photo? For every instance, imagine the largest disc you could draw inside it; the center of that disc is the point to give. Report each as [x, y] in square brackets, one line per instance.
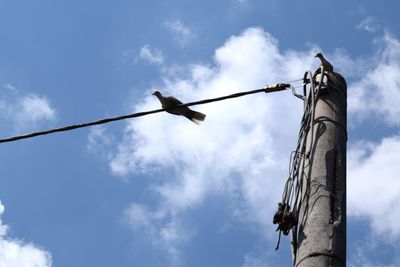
[154, 93]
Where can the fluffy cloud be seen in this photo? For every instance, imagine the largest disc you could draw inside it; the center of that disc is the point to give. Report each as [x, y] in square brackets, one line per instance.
[148, 54]
[374, 187]
[181, 33]
[377, 92]
[369, 24]
[240, 151]
[100, 141]
[151, 55]
[156, 229]
[17, 253]
[23, 112]
[373, 251]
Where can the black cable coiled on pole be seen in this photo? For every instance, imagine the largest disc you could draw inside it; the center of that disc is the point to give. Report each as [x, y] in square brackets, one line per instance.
[287, 214]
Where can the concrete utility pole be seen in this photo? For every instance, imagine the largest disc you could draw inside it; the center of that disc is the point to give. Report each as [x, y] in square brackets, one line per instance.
[322, 217]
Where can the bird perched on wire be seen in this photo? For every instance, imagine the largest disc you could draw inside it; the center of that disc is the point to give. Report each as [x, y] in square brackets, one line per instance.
[170, 103]
[325, 63]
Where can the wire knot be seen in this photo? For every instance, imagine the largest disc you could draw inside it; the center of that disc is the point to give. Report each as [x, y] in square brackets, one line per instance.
[284, 218]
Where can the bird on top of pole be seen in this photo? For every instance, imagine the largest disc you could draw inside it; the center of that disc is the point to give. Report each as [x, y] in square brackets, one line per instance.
[170, 103]
[325, 63]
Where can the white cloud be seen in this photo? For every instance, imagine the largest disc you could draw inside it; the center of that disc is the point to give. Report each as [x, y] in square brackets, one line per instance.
[181, 33]
[369, 24]
[251, 261]
[148, 53]
[240, 151]
[373, 184]
[100, 141]
[157, 230]
[368, 252]
[24, 112]
[373, 187]
[17, 253]
[352, 69]
[372, 167]
[151, 55]
[377, 93]
[32, 109]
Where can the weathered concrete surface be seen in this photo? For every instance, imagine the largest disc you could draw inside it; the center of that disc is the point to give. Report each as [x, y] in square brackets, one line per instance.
[322, 220]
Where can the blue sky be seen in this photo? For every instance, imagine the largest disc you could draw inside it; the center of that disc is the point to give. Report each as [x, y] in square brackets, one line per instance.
[159, 190]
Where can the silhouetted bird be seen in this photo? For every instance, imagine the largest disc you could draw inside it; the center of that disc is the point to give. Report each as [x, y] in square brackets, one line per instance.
[169, 103]
[327, 66]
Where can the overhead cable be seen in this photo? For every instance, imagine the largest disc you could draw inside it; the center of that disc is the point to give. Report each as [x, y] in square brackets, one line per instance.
[268, 89]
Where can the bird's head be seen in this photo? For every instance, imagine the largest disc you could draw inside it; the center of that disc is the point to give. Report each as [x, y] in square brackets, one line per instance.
[319, 55]
[156, 93]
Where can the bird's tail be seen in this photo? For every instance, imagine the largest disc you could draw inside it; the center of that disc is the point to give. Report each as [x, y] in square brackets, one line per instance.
[196, 117]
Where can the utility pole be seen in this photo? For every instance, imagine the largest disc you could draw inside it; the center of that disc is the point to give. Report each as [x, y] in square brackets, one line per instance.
[321, 236]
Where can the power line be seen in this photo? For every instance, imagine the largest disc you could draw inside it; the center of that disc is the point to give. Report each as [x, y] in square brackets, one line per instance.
[268, 89]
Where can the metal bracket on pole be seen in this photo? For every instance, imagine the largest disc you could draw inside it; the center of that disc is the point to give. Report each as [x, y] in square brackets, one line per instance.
[277, 87]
